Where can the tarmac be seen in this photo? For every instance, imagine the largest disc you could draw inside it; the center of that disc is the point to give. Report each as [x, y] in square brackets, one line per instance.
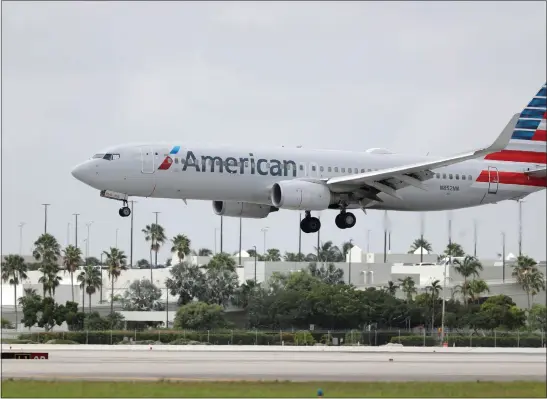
[294, 366]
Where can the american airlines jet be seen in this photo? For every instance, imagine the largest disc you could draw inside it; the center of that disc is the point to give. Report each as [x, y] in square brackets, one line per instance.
[252, 182]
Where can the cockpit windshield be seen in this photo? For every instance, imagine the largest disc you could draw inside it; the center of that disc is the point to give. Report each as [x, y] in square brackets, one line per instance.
[108, 157]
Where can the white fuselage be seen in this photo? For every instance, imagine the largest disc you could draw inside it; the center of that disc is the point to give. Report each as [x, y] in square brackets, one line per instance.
[247, 175]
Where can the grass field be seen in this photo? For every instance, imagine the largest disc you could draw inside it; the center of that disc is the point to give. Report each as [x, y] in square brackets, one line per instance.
[163, 389]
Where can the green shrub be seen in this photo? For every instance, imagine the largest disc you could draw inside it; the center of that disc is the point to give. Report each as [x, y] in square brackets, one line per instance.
[304, 338]
[523, 341]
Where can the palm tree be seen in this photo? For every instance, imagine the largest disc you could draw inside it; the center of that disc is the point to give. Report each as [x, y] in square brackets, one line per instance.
[328, 252]
[91, 280]
[181, 246]
[454, 250]
[293, 257]
[272, 255]
[391, 288]
[202, 252]
[420, 243]
[50, 279]
[475, 288]
[468, 267]
[346, 247]
[435, 288]
[408, 286]
[72, 259]
[14, 271]
[222, 261]
[115, 261]
[156, 235]
[528, 276]
[46, 249]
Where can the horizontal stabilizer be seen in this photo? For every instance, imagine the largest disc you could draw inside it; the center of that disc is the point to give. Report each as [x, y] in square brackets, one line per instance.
[537, 172]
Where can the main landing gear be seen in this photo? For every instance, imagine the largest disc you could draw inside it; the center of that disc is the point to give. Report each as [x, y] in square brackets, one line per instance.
[344, 220]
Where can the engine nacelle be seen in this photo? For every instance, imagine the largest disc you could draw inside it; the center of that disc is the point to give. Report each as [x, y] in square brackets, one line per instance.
[242, 209]
[301, 195]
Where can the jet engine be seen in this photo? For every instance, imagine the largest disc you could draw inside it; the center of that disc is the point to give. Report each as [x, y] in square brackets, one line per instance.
[242, 209]
[301, 195]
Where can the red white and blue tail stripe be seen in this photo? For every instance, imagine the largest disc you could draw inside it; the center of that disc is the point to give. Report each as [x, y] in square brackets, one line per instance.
[528, 143]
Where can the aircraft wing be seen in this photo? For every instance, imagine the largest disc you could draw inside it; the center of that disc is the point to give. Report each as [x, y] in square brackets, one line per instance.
[390, 180]
[542, 172]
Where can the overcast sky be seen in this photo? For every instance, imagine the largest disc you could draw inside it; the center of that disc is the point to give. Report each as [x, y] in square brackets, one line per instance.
[430, 77]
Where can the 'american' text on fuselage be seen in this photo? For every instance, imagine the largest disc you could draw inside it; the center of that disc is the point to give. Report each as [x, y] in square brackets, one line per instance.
[264, 167]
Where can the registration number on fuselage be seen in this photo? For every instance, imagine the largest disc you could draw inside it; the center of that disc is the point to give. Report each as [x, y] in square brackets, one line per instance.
[446, 187]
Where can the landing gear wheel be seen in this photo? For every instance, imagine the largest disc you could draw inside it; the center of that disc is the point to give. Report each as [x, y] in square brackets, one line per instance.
[345, 220]
[124, 212]
[310, 225]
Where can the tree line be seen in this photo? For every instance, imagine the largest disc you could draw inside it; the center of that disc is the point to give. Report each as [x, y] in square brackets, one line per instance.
[314, 296]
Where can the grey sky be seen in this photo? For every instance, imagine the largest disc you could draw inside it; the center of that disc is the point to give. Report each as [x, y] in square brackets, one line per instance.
[423, 77]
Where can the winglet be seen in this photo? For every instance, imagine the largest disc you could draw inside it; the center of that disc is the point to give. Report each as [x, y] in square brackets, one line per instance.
[503, 139]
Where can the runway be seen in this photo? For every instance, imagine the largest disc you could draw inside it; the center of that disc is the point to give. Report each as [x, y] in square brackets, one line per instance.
[324, 366]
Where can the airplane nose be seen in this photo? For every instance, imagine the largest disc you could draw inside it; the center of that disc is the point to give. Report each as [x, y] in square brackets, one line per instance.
[79, 172]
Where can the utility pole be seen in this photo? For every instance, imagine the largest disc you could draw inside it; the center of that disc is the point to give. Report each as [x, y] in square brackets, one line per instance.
[21, 238]
[221, 233]
[503, 256]
[156, 251]
[45, 217]
[240, 223]
[131, 239]
[76, 230]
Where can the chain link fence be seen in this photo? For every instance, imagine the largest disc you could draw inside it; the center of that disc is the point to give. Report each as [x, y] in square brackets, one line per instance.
[515, 339]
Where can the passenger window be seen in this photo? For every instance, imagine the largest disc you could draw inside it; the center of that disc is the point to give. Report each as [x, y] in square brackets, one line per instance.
[356, 170]
[369, 170]
[457, 177]
[301, 167]
[313, 168]
[470, 177]
[438, 175]
[450, 176]
[321, 169]
[343, 170]
[330, 169]
[444, 175]
[336, 169]
[463, 177]
[176, 160]
[362, 171]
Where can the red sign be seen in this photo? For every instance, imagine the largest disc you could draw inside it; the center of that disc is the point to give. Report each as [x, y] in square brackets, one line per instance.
[39, 356]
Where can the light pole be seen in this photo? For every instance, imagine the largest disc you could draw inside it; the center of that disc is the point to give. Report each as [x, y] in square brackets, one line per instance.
[299, 237]
[131, 239]
[520, 226]
[88, 225]
[254, 246]
[216, 229]
[503, 256]
[422, 227]
[264, 230]
[444, 274]
[221, 234]
[368, 241]
[349, 267]
[21, 238]
[68, 234]
[155, 249]
[240, 240]
[117, 237]
[45, 217]
[385, 236]
[76, 229]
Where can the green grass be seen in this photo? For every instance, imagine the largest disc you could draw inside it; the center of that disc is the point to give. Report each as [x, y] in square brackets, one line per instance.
[163, 389]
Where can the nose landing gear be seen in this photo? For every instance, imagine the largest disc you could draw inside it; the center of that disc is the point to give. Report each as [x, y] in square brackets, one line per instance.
[125, 211]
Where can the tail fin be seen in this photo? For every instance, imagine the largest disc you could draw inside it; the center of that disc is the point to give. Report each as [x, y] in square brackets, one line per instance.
[528, 143]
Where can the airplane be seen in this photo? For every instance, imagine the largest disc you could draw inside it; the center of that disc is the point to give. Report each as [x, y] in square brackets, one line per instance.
[251, 182]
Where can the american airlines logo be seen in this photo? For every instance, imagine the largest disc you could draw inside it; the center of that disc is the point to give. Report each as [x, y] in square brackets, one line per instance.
[216, 164]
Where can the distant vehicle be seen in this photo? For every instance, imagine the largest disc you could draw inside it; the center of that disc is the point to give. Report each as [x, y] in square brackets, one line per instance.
[251, 182]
